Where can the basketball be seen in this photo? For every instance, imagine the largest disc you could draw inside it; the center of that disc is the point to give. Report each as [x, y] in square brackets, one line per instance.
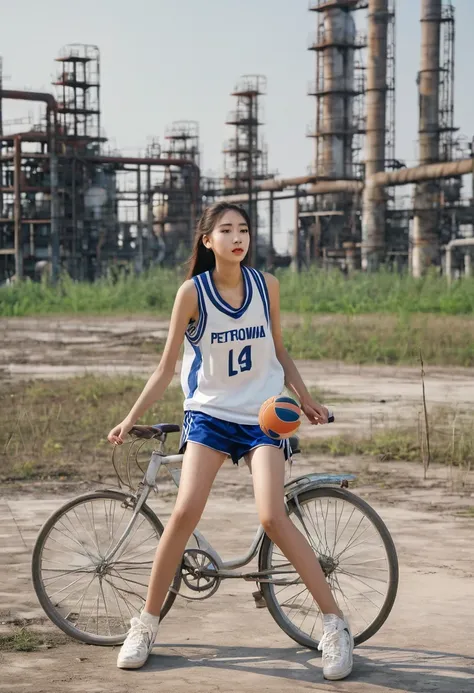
[279, 417]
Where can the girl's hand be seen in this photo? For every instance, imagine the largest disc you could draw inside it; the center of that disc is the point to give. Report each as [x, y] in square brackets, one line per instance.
[314, 412]
[117, 434]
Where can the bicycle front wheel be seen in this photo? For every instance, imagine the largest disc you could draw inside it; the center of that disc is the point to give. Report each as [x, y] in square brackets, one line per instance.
[90, 598]
[357, 555]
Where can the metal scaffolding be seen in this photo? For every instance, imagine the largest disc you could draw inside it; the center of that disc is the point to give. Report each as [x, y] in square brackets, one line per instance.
[379, 130]
[66, 206]
[67, 203]
[446, 84]
[339, 88]
[436, 98]
[324, 224]
[245, 155]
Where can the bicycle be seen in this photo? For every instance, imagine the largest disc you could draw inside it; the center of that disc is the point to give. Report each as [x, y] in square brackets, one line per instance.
[108, 564]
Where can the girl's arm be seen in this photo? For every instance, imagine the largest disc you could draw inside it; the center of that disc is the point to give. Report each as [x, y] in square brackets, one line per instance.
[185, 307]
[315, 412]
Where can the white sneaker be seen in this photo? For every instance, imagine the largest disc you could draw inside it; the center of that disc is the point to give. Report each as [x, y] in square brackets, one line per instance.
[137, 645]
[336, 644]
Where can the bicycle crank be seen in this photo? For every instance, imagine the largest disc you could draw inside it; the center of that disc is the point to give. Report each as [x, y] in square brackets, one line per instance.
[197, 570]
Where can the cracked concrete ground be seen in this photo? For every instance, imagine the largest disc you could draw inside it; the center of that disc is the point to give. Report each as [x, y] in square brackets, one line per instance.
[224, 643]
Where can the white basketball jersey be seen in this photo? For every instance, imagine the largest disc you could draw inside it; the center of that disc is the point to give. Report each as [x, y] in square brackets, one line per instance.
[230, 366]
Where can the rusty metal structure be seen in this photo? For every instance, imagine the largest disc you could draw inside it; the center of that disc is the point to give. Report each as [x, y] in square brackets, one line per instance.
[68, 203]
[245, 154]
[346, 211]
[436, 128]
[324, 223]
[380, 139]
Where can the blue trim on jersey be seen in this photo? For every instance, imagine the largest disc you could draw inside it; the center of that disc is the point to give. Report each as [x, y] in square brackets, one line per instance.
[259, 280]
[195, 331]
[265, 288]
[193, 373]
[219, 302]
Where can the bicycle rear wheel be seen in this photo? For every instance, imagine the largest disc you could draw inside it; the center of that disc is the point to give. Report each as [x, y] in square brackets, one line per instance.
[89, 598]
[357, 555]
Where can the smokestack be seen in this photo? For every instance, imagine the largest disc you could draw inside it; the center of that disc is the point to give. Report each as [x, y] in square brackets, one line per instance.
[374, 201]
[426, 249]
[337, 89]
[334, 119]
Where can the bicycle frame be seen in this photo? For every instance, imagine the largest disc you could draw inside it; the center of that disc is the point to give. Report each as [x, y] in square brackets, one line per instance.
[223, 569]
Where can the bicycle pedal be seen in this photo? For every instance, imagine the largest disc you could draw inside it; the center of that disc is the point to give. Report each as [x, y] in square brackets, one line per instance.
[260, 602]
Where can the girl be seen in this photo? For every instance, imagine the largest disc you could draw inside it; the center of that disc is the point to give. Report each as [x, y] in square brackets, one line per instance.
[234, 359]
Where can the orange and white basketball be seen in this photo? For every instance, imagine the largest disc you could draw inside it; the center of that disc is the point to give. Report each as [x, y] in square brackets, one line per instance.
[279, 417]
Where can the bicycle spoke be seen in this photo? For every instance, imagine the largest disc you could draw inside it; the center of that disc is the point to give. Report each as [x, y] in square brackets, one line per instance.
[134, 582]
[82, 600]
[68, 552]
[129, 539]
[112, 540]
[336, 525]
[305, 616]
[98, 597]
[84, 528]
[76, 541]
[67, 572]
[52, 596]
[290, 603]
[352, 539]
[367, 577]
[318, 535]
[120, 592]
[339, 531]
[132, 558]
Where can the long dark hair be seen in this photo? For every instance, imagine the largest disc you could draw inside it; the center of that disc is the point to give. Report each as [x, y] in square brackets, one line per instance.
[203, 259]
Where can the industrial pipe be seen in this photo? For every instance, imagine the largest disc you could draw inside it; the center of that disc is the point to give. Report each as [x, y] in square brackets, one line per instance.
[145, 161]
[415, 174]
[17, 209]
[425, 237]
[373, 201]
[30, 96]
[427, 172]
[51, 110]
[296, 260]
[458, 242]
[276, 184]
[319, 188]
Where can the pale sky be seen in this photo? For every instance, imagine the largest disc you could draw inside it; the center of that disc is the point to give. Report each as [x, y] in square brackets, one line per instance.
[179, 60]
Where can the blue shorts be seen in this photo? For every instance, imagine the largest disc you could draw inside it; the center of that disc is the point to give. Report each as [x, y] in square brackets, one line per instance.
[234, 440]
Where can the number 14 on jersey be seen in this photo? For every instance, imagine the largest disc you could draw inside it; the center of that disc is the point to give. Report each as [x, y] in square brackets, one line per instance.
[242, 363]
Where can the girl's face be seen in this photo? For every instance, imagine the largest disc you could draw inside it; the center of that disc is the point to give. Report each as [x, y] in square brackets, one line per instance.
[230, 237]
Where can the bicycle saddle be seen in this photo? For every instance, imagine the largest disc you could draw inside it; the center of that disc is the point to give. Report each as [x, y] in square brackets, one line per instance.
[155, 431]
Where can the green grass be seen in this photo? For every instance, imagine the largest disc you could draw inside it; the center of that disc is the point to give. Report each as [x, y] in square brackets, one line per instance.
[451, 444]
[466, 512]
[383, 292]
[367, 318]
[57, 430]
[313, 292]
[21, 639]
[389, 339]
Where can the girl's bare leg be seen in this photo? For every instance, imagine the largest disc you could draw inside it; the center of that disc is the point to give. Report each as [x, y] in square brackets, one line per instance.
[200, 466]
[268, 471]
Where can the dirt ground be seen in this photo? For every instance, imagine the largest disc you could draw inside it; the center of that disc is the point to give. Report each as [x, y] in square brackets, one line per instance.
[225, 644]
